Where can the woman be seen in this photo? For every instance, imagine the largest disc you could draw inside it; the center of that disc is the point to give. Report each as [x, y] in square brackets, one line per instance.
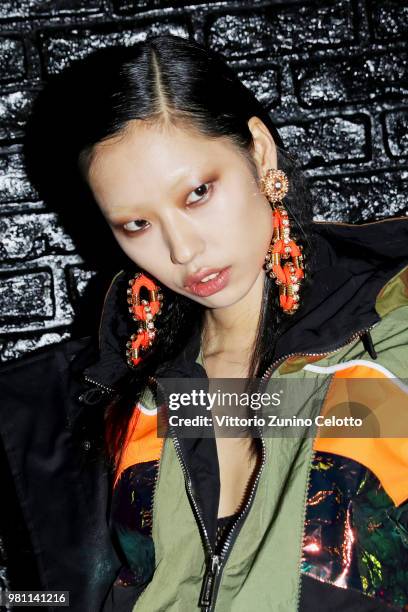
[192, 179]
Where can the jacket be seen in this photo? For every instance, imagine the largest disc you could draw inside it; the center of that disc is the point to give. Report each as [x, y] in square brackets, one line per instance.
[325, 526]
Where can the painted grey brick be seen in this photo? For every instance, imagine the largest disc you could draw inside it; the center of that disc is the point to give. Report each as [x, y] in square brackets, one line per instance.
[29, 236]
[132, 6]
[60, 50]
[16, 207]
[283, 29]
[328, 141]
[14, 183]
[396, 132]
[15, 348]
[21, 9]
[357, 79]
[12, 59]
[15, 108]
[78, 279]
[28, 295]
[54, 266]
[264, 84]
[389, 19]
[358, 198]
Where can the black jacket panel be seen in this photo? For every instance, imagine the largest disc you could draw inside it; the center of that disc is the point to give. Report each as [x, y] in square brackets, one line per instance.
[70, 540]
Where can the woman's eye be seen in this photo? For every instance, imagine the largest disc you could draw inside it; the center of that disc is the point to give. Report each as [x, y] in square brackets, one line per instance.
[200, 193]
[133, 227]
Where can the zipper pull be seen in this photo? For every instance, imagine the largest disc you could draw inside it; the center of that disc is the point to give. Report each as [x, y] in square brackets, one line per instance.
[368, 344]
[207, 589]
[92, 397]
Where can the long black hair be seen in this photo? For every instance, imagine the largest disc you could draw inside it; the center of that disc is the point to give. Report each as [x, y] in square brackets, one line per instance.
[171, 79]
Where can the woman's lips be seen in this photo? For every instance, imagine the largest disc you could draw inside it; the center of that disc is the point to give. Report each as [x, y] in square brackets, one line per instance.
[212, 286]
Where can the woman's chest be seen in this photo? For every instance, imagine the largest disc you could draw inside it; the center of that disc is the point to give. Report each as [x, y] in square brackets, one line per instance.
[179, 522]
[238, 459]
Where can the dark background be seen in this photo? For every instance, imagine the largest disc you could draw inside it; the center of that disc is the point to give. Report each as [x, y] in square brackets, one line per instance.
[333, 75]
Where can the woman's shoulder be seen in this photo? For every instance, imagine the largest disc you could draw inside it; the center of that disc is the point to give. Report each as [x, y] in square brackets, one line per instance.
[49, 356]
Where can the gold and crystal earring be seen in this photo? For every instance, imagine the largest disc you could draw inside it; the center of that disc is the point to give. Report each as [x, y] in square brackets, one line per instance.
[288, 275]
[144, 312]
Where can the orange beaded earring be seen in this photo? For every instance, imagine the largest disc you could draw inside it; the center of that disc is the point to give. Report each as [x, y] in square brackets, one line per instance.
[143, 311]
[275, 185]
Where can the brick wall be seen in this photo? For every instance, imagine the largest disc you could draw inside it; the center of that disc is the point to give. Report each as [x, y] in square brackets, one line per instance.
[333, 73]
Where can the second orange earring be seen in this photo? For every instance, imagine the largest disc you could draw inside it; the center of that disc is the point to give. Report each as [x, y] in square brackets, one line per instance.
[144, 312]
[275, 185]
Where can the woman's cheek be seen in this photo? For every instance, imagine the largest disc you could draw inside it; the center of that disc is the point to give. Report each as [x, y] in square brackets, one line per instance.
[127, 244]
[124, 243]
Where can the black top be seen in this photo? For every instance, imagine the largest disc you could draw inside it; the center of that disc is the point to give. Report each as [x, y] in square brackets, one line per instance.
[223, 525]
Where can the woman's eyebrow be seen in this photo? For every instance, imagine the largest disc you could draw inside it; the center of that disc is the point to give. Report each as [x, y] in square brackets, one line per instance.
[118, 218]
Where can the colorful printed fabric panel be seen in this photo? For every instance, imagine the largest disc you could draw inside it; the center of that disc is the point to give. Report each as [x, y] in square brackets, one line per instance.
[131, 518]
[355, 536]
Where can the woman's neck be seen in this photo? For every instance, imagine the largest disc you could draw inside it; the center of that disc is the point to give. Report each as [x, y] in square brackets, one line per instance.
[232, 330]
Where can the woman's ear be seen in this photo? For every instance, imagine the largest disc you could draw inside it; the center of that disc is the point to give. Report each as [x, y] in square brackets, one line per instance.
[264, 148]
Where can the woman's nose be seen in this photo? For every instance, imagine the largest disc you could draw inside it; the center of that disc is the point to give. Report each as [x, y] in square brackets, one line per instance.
[183, 241]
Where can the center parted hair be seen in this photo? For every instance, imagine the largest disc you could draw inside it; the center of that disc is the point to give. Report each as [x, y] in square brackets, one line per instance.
[164, 80]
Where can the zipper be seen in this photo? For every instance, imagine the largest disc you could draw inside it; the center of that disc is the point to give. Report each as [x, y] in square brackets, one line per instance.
[308, 478]
[105, 388]
[268, 372]
[215, 562]
[208, 584]
[231, 536]
[157, 478]
[102, 387]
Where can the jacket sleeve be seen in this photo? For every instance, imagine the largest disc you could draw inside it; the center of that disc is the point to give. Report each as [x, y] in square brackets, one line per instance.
[62, 499]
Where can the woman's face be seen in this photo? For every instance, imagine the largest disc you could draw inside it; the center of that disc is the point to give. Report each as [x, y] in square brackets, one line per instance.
[178, 204]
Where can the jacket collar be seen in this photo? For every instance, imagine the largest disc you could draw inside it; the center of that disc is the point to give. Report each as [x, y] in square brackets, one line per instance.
[349, 266]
